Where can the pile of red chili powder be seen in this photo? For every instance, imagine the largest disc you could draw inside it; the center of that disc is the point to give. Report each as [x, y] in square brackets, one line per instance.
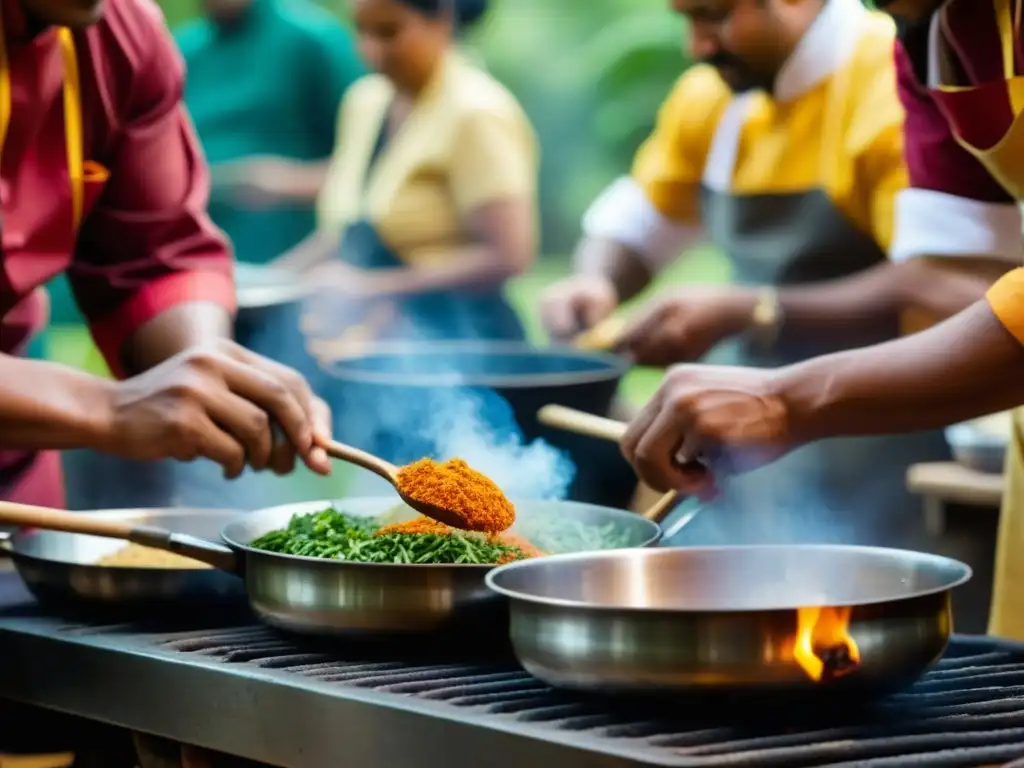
[472, 498]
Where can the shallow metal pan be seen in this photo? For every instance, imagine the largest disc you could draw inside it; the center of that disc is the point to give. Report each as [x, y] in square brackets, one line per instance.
[726, 618]
[61, 567]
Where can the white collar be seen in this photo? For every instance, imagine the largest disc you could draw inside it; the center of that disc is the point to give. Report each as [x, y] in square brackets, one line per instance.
[831, 38]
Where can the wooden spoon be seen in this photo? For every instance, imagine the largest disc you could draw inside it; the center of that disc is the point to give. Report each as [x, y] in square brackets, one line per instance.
[602, 337]
[589, 425]
[28, 516]
[389, 472]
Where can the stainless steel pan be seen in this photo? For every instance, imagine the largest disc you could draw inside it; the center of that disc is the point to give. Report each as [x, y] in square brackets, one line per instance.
[727, 618]
[61, 567]
[316, 596]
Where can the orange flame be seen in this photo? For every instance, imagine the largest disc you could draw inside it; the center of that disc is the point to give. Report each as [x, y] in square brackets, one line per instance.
[823, 646]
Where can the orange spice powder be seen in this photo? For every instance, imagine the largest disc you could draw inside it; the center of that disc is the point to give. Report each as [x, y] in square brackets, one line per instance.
[473, 498]
[422, 525]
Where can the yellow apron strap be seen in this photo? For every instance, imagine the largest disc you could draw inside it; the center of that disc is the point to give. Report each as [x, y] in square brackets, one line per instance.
[1008, 20]
[5, 87]
[73, 132]
[74, 137]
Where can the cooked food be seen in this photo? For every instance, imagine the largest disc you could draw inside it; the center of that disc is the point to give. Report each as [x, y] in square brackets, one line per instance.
[335, 535]
[474, 499]
[138, 556]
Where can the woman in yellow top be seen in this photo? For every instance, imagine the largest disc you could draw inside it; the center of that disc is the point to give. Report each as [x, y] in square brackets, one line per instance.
[430, 203]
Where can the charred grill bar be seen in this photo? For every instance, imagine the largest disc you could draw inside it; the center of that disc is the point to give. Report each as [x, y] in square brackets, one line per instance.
[253, 692]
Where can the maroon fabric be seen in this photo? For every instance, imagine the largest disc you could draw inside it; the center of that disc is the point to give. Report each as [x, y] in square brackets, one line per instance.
[935, 161]
[41, 482]
[147, 222]
[146, 243]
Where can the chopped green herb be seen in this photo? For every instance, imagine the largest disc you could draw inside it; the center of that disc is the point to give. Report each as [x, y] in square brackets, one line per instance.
[335, 535]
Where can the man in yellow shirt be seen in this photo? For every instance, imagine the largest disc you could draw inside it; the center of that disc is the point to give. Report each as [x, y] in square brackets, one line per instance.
[957, 63]
[785, 149]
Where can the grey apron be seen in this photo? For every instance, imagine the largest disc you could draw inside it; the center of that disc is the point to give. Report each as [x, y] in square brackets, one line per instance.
[849, 490]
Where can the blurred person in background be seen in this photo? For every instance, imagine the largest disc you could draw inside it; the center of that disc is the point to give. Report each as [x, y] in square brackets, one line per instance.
[264, 82]
[957, 64]
[430, 203]
[784, 148]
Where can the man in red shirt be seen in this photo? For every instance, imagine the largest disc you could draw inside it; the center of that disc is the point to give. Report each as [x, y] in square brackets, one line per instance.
[101, 178]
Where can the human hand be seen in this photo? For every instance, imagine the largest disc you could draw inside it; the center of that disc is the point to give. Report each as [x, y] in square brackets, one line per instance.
[221, 402]
[685, 324]
[256, 182]
[339, 276]
[735, 418]
[577, 304]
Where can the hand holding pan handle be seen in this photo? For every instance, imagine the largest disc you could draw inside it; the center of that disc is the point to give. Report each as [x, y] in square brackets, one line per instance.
[601, 428]
[209, 552]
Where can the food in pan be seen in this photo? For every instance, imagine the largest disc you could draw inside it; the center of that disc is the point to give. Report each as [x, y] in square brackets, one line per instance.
[335, 535]
[474, 499]
[138, 556]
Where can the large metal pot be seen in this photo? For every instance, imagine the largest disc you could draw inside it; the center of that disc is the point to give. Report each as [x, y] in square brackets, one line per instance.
[728, 618]
[386, 397]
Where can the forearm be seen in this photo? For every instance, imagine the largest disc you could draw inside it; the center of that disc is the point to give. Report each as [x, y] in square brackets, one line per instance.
[303, 181]
[617, 263]
[46, 406]
[964, 367]
[315, 249]
[868, 306]
[179, 328]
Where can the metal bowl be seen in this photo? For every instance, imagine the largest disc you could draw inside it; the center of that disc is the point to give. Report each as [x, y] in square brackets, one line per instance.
[977, 449]
[259, 287]
[316, 596]
[724, 618]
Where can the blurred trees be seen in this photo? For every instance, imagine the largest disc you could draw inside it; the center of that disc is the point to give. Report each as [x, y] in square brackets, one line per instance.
[591, 74]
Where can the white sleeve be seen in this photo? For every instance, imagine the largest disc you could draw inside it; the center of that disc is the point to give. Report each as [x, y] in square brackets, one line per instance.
[930, 223]
[623, 213]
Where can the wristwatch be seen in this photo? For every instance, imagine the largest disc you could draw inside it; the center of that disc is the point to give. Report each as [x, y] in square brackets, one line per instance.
[766, 318]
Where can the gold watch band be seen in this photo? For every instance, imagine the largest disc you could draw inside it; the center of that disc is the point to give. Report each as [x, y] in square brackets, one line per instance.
[766, 318]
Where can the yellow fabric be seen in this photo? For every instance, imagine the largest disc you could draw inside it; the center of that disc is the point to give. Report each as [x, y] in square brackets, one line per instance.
[1005, 161]
[844, 136]
[74, 135]
[1006, 298]
[466, 143]
[669, 165]
[1007, 617]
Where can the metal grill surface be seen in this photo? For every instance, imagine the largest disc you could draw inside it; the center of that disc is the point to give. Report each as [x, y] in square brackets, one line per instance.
[967, 711]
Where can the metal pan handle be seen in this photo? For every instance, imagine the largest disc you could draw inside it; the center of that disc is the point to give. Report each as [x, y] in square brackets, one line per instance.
[28, 516]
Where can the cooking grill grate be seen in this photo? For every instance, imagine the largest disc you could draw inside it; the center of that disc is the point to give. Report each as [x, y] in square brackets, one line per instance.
[968, 711]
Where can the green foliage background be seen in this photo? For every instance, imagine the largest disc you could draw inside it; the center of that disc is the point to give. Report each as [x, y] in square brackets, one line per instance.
[591, 74]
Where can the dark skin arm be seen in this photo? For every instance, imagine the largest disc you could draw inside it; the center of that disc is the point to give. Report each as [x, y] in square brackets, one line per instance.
[615, 262]
[867, 306]
[607, 274]
[965, 367]
[182, 327]
[46, 405]
[741, 418]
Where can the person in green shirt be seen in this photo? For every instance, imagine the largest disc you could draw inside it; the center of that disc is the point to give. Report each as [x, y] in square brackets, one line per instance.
[265, 79]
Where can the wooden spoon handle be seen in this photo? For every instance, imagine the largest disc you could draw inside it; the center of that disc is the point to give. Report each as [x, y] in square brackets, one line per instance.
[660, 509]
[353, 455]
[27, 516]
[603, 336]
[581, 423]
